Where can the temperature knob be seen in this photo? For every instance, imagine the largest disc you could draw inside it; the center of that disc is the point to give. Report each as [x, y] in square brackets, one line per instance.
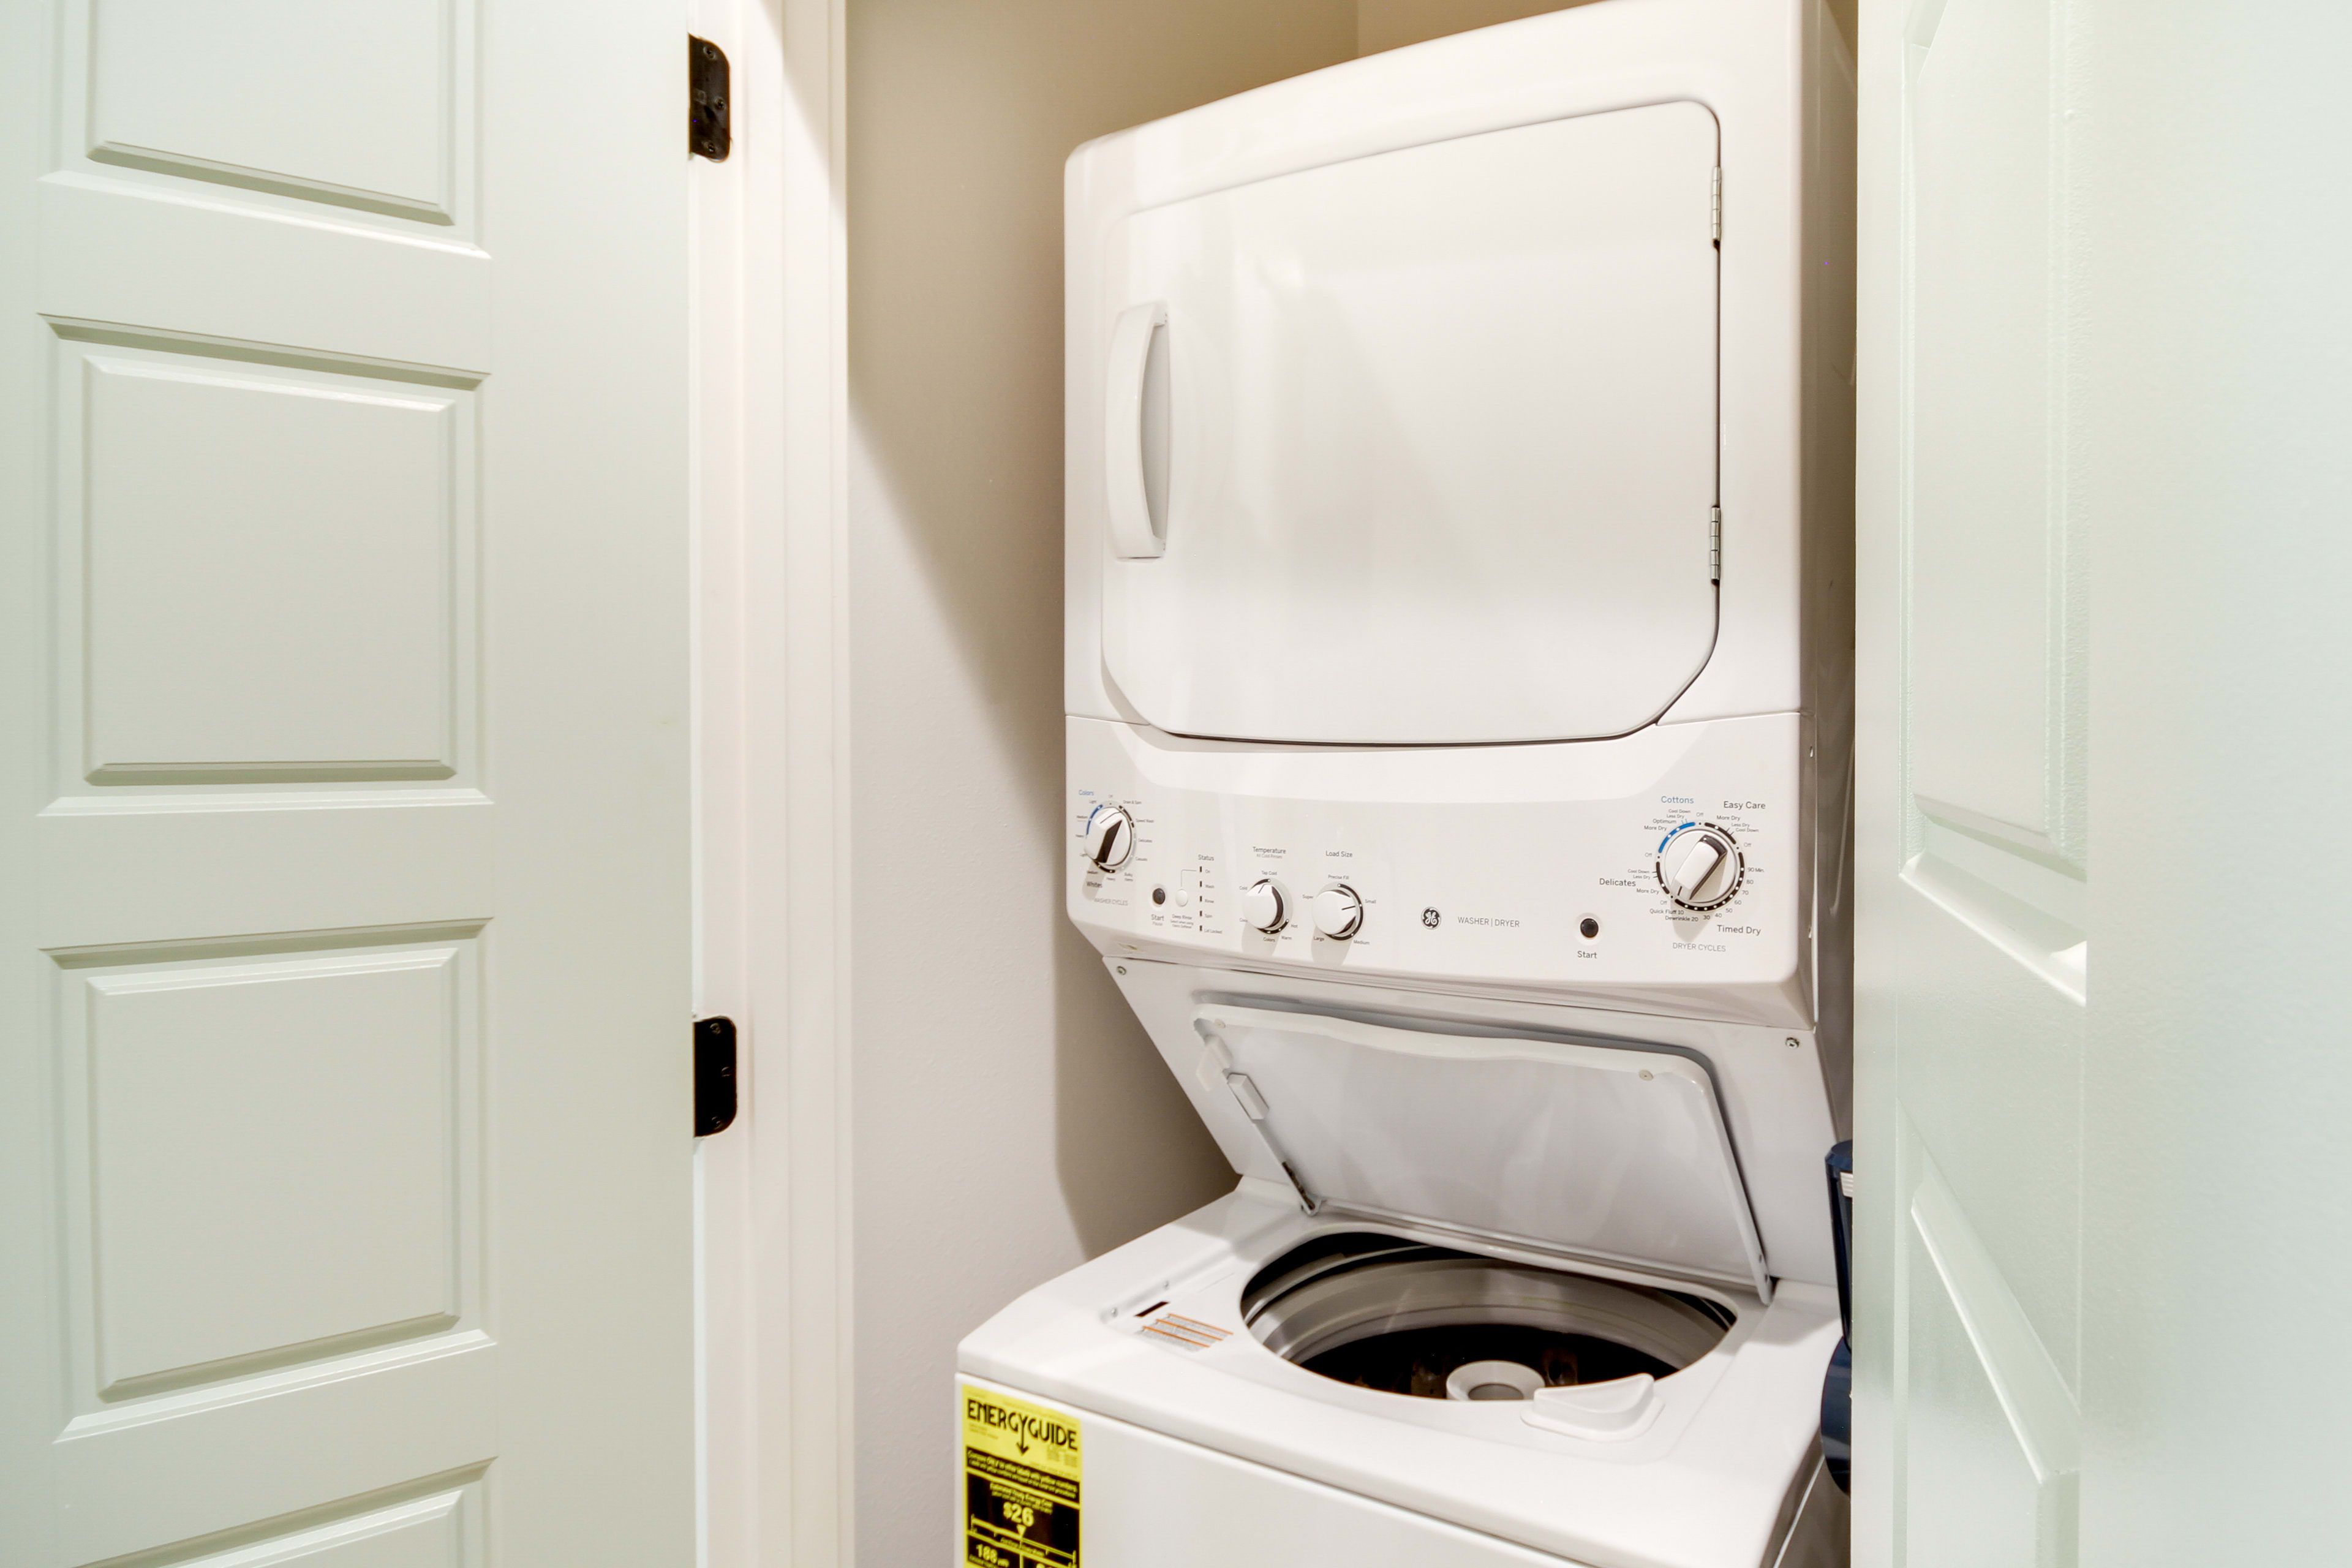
[1338, 912]
[1699, 866]
[1264, 905]
[1110, 838]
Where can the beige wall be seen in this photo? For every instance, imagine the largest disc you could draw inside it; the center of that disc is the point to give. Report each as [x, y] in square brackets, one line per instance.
[1011, 1120]
[1392, 23]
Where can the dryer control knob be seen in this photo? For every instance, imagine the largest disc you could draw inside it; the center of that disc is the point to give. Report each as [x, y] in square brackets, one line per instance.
[1109, 837]
[1700, 866]
[1264, 905]
[1338, 912]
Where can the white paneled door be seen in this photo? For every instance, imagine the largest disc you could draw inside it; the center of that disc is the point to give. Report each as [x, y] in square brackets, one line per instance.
[1972, 952]
[345, 1132]
[2101, 1264]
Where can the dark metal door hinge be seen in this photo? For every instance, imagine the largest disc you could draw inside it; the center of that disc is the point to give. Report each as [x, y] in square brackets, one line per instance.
[714, 1075]
[708, 130]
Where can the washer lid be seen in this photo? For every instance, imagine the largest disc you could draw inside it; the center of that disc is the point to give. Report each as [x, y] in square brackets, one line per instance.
[1612, 1153]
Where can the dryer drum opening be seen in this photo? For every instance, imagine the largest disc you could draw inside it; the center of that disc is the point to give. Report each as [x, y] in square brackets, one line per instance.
[1402, 1317]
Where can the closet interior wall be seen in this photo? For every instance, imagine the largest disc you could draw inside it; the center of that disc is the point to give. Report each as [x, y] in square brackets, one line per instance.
[1009, 1117]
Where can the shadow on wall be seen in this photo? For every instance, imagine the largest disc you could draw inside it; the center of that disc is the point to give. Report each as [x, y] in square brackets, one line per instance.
[1383, 25]
[963, 112]
[1392, 23]
[1103, 1057]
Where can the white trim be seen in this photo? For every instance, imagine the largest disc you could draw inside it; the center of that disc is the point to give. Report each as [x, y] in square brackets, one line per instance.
[810, 634]
[725, 1427]
[771, 427]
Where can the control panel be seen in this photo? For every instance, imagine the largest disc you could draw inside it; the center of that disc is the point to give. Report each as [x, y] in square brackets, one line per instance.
[1636, 869]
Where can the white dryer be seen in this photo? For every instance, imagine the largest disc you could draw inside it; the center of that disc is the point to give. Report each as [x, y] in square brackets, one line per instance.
[1458, 650]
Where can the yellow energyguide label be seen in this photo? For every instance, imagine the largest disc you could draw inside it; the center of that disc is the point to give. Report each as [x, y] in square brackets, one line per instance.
[1020, 1483]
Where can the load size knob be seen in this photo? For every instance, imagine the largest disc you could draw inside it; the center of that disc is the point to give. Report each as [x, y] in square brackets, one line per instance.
[1699, 866]
[1109, 837]
[1338, 912]
[1265, 906]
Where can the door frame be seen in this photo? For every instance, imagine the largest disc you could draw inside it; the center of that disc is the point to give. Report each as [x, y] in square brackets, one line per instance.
[771, 820]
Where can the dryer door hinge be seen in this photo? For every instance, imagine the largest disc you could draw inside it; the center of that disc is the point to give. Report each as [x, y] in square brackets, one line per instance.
[1715, 206]
[1714, 544]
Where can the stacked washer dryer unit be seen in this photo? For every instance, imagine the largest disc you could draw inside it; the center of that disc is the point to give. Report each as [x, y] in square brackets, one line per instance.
[1458, 655]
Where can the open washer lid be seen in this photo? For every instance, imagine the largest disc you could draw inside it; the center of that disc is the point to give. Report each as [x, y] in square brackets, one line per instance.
[1612, 1153]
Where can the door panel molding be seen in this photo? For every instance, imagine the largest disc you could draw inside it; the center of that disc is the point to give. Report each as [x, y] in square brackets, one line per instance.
[385, 125]
[2033, 1394]
[354, 655]
[1983, 1407]
[173, 1164]
[179, 1476]
[1973, 905]
[284, 280]
[1991, 86]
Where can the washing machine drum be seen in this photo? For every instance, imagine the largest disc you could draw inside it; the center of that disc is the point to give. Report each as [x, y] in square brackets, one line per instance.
[1383, 1312]
[1439, 436]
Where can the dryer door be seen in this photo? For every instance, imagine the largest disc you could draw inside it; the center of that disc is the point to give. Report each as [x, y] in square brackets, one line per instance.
[1606, 1152]
[1425, 449]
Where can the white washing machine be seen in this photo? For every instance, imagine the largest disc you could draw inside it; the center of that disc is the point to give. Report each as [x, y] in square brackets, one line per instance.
[1459, 500]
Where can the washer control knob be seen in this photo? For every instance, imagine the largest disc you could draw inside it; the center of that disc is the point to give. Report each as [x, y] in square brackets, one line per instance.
[1110, 838]
[1338, 912]
[1265, 906]
[1699, 866]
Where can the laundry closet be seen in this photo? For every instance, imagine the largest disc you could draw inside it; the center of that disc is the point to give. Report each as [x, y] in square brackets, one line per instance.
[1064, 783]
[1011, 1117]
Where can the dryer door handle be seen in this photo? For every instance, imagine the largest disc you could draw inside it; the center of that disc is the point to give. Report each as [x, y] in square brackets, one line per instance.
[1135, 433]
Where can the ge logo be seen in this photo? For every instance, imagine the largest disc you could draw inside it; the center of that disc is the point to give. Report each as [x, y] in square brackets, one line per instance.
[1430, 918]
